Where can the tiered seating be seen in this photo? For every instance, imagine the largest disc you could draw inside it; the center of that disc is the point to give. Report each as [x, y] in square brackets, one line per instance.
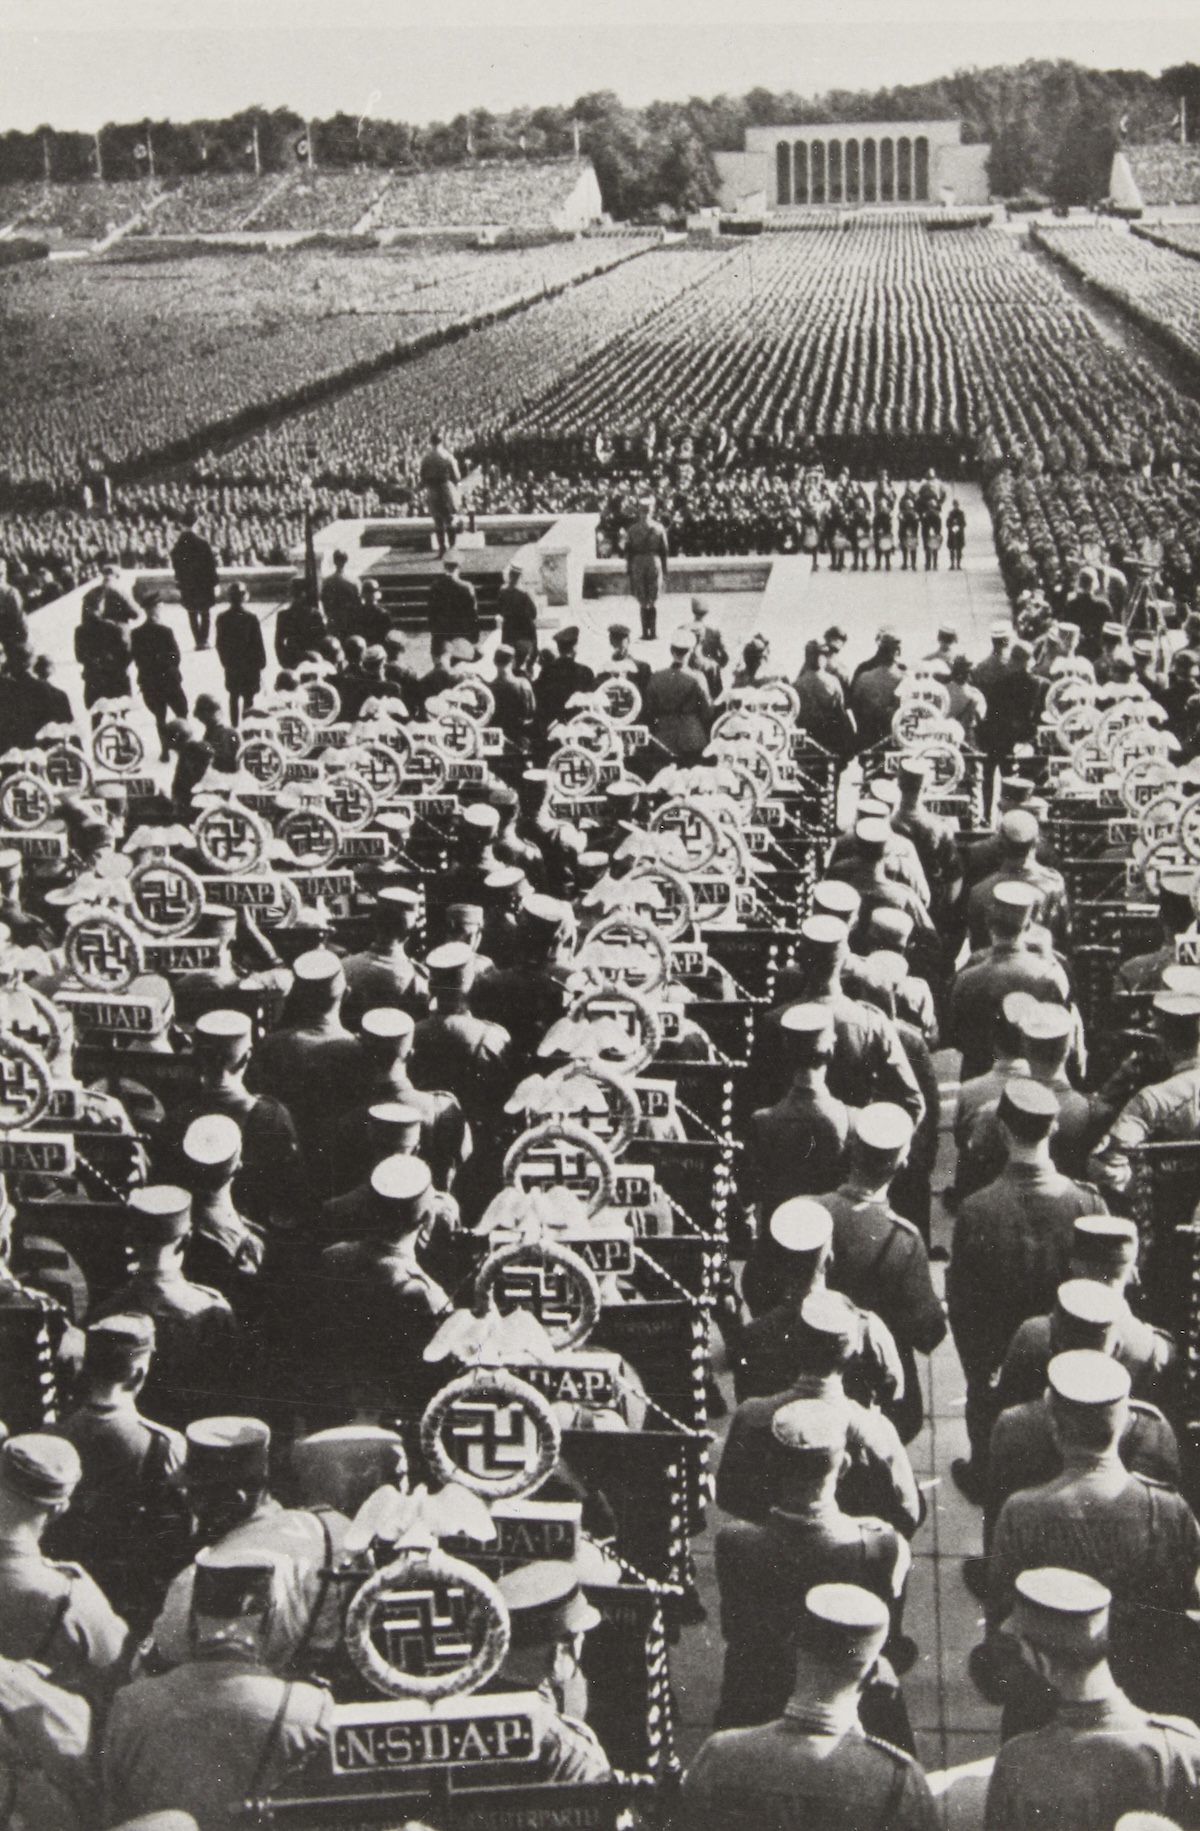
[516, 193]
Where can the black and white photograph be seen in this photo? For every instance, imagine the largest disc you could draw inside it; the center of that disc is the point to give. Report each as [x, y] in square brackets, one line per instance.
[599, 916]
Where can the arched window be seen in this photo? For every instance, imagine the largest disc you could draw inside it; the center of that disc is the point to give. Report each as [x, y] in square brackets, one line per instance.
[783, 173]
[800, 163]
[887, 171]
[816, 183]
[853, 174]
[904, 171]
[921, 170]
[870, 184]
[835, 171]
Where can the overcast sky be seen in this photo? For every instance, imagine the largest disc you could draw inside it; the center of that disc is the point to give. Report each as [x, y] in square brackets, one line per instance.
[79, 63]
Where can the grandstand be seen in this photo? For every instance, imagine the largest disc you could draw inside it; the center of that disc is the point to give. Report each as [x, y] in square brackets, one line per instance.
[1156, 177]
[85, 211]
[559, 194]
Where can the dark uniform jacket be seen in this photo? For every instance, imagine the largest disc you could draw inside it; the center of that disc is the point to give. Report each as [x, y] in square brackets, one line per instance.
[1141, 1541]
[559, 680]
[298, 628]
[869, 1061]
[981, 988]
[156, 657]
[795, 1775]
[770, 1356]
[240, 646]
[518, 616]
[196, 1347]
[878, 1482]
[795, 1147]
[195, 567]
[1095, 1762]
[1145, 1352]
[1025, 1454]
[1011, 1251]
[469, 1058]
[764, 1573]
[453, 610]
[200, 1739]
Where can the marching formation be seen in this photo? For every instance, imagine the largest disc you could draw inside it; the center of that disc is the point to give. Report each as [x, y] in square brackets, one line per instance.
[428, 1101]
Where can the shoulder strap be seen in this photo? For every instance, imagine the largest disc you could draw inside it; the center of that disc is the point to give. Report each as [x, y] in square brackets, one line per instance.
[895, 1796]
[56, 1620]
[268, 1747]
[321, 1515]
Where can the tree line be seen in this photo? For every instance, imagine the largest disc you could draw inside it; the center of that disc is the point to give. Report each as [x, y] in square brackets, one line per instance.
[1052, 127]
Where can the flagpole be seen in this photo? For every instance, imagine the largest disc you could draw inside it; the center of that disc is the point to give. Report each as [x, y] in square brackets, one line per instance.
[1183, 120]
[257, 163]
[99, 159]
[149, 151]
[46, 156]
[311, 160]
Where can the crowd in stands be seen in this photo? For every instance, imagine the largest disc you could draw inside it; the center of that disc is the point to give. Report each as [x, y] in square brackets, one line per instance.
[524, 193]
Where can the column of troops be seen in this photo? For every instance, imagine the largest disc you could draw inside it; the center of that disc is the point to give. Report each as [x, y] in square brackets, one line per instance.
[401, 1157]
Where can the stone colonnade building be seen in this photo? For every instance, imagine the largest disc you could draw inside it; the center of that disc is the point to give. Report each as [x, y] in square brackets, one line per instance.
[876, 162]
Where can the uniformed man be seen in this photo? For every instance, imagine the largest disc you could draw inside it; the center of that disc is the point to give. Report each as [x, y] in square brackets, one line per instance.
[454, 1050]
[270, 1185]
[561, 677]
[525, 998]
[646, 554]
[453, 610]
[765, 1571]
[1101, 1756]
[869, 1062]
[677, 707]
[45, 1751]
[1047, 1032]
[221, 1727]
[125, 1522]
[224, 1250]
[1012, 1246]
[788, 1265]
[312, 1065]
[877, 884]
[1168, 1109]
[387, 1034]
[384, 973]
[550, 1616]
[1024, 1453]
[1010, 964]
[226, 1483]
[879, 1478]
[198, 1342]
[1176, 914]
[391, 1129]
[814, 1765]
[1082, 1309]
[981, 1094]
[879, 1259]
[1140, 1540]
[1019, 833]
[52, 1613]
[797, 1146]
[342, 1467]
[384, 1297]
[621, 664]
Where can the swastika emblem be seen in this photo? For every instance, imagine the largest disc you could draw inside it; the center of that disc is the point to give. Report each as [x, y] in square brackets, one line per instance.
[24, 1083]
[426, 765]
[295, 733]
[424, 1630]
[264, 760]
[310, 836]
[119, 748]
[474, 698]
[489, 1439]
[426, 1626]
[456, 735]
[168, 897]
[550, 1280]
[491, 1432]
[573, 772]
[350, 801]
[66, 767]
[230, 839]
[25, 801]
[696, 840]
[102, 951]
[620, 698]
[379, 769]
[322, 703]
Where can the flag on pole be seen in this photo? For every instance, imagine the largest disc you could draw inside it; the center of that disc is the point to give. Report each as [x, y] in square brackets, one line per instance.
[140, 152]
[300, 143]
[575, 136]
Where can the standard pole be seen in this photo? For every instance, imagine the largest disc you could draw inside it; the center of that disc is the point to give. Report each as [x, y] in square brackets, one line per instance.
[257, 161]
[99, 158]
